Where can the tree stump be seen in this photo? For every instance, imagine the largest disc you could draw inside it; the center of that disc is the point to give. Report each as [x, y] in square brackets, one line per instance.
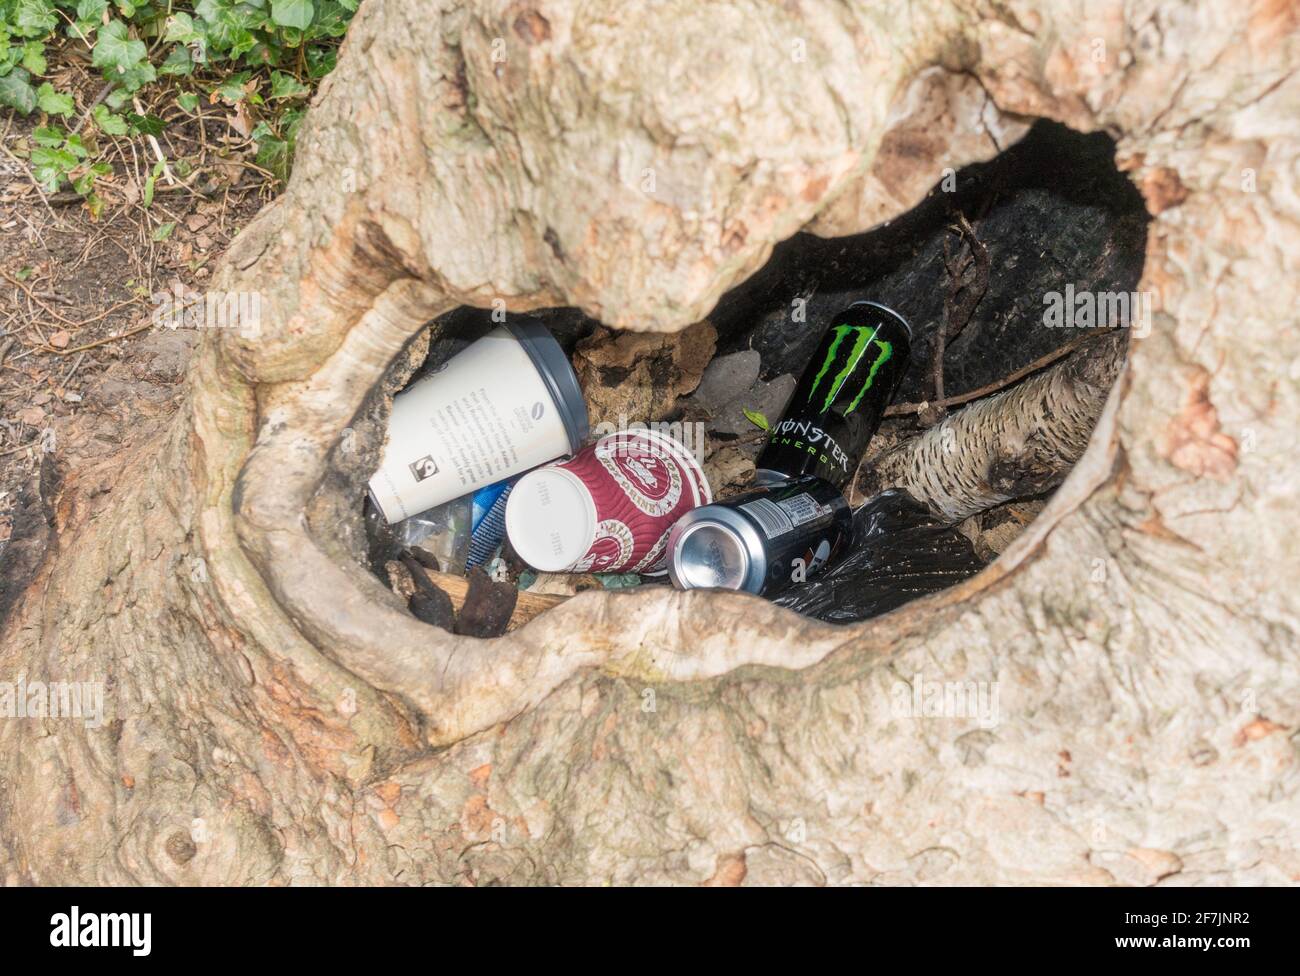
[274, 716]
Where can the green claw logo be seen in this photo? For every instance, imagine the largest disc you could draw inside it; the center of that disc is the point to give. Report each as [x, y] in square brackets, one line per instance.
[864, 337]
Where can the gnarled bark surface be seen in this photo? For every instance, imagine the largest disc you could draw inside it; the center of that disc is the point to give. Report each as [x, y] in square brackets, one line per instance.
[277, 718]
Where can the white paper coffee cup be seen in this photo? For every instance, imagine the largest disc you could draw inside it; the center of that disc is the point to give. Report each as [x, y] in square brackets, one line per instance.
[503, 405]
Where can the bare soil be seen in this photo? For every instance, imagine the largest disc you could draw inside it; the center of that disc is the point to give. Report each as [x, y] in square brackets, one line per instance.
[78, 291]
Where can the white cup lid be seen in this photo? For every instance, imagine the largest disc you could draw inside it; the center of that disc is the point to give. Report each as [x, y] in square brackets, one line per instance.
[550, 519]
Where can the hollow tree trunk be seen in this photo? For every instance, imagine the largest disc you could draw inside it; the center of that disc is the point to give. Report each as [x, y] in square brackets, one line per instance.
[276, 717]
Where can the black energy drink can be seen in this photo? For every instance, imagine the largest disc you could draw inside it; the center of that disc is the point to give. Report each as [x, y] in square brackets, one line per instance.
[761, 541]
[841, 398]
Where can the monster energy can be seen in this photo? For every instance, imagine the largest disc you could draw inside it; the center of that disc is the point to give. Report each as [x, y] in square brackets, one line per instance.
[761, 541]
[841, 398]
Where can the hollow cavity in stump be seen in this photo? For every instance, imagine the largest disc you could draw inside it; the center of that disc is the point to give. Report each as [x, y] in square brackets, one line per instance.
[1019, 273]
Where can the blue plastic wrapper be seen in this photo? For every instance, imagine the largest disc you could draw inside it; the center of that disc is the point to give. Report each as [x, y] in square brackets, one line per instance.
[485, 498]
[490, 529]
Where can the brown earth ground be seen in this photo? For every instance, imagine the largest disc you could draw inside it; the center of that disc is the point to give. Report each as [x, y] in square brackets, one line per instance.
[77, 291]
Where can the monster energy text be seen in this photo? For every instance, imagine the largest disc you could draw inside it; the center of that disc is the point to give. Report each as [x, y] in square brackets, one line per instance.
[803, 436]
[841, 397]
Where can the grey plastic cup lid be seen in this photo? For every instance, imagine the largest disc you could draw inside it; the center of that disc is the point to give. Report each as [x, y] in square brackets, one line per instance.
[557, 373]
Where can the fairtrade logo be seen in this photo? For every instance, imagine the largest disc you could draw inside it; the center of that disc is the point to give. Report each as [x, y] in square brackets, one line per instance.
[864, 338]
[423, 468]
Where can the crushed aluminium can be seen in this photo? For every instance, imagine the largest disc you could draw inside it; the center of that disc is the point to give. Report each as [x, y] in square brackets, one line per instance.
[761, 541]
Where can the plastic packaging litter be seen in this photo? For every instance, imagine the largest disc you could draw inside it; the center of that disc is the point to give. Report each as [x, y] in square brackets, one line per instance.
[899, 552]
[443, 532]
[489, 523]
[485, 498]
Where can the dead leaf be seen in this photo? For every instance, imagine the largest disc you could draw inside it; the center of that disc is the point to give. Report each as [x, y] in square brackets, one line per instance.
[638, 376]
[239, 120]
[32, 416]
[60, 339]
[729, 470]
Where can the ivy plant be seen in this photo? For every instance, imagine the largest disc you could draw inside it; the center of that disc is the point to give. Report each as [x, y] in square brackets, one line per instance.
[267, 54]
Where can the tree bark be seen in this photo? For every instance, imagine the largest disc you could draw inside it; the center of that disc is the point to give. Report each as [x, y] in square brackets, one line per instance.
[1014, 444]
[275, 716]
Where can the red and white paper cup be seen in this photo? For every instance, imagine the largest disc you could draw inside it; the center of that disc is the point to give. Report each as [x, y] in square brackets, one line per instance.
[607, 509]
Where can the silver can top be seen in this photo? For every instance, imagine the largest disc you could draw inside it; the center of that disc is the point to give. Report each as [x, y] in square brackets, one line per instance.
[714, 547]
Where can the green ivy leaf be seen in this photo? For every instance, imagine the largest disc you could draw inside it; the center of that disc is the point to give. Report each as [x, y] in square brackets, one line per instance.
[109, 123]
[121, 57]
[49, 136]
[232, 89]
[31, 18]
[188, 101]
[115, 49]
[286, 86]
[331, 20]
[145, 125]
[50, 166]
[52, 102]
[757, 419]
[320, 63]
[273, 153]
[92, 10]
[164, 231]
[292, 13]
[34, 57]
[177, 62]
[181, 29]
[16, 91]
